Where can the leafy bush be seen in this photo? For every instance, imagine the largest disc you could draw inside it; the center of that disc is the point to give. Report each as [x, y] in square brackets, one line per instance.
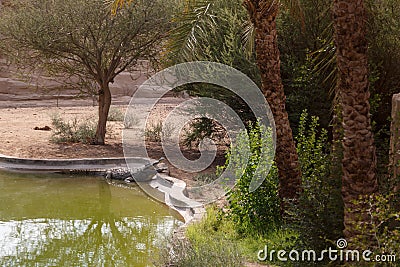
[75, 131]
[257, 211]
[318, 215]
[383, 225]
[202, 128]
[115, 114]
[155, 131]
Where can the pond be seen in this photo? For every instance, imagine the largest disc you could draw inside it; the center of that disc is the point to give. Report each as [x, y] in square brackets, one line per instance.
[78, 221]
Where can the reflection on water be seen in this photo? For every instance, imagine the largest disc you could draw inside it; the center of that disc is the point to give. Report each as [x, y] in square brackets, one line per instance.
[58, 221]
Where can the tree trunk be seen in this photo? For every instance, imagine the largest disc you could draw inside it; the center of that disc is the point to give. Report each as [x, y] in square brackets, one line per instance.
[104, 107]
[263, 15]
[359, 160]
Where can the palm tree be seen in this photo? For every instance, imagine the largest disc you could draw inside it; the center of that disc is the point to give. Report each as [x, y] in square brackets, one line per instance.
[359, 160]
[263, 14]
[262, 34]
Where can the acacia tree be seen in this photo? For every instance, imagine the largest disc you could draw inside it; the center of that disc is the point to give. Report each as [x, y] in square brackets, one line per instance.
[82, 43]
[359, 159]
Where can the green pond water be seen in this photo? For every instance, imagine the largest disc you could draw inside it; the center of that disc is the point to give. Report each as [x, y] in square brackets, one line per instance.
[78, 221]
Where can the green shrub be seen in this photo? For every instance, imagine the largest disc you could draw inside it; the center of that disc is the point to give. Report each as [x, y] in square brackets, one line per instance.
[203, 128]
[115, 114]
[383, 226]
[257, 211]
[209, 243]
[75, 131]
[205, 178]
[318, 215]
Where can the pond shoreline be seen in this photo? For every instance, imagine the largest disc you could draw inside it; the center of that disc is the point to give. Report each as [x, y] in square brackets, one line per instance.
[170, 188]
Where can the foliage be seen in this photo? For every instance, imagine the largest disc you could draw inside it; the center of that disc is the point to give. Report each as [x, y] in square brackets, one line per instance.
[79, 41]
[75, 131]
[115, 114]
[303, 45]
[384, 53]
[205, 30]
[318, 215]
[278, 239]
[130, 120]
[209, 243]
[205, 178]
[212, 31]
[384, 57]
[155, 131]
[198, 130]
[79, 44]
[202, 128]
[305, 90]
[257, 211]
[217, 253]
[385, 222]
[309, 66]
[214, 241]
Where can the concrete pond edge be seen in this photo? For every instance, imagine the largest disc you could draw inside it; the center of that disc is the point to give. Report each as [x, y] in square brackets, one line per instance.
[169, 189]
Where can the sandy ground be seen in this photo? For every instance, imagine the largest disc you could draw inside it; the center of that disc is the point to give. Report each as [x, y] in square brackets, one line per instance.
[20, 139]
[23, 107]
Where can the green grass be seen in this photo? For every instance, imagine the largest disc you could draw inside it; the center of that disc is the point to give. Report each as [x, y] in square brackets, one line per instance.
[214, 242]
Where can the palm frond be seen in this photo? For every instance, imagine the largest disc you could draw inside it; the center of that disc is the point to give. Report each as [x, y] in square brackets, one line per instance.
[295, 9]
[248, 37]
[324, 60]
[192, 24]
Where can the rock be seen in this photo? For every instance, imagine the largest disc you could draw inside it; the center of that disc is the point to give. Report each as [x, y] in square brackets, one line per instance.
[45, 128]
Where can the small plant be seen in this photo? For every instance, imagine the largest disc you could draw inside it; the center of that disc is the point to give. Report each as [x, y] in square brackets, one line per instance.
[75, 131]
[202, 128]
[383, 226]
[115, 114]
[130, 120]
[205, 178]
[155, 131]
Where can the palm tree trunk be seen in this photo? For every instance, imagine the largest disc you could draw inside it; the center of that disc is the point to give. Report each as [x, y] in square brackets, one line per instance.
[263, 15]
[359, 160]
[104, 107]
